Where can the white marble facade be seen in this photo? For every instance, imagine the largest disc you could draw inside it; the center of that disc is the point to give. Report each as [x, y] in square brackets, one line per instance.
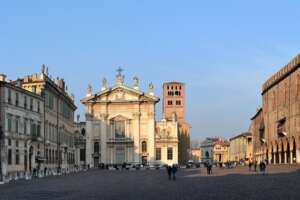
[121, 126]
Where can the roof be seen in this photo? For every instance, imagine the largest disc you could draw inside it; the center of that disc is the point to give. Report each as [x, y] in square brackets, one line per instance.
[174, 82]
[222, 143]
[246, 134]
[13, 85]
[257, 113]
[285, 71]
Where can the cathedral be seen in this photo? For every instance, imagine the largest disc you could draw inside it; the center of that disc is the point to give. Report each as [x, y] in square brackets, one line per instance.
[121, 126]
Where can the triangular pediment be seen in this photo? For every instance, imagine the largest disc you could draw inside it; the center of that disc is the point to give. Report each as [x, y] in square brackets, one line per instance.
[120, 94]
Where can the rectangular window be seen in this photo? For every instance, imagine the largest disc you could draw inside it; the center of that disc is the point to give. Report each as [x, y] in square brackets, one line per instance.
[51, 101]
[31, 104]
[9, 96]
[9, 123]
[158, 153]
[39, 129]
[170, 153]
[17, 99]
[82, 154]
[17, 157]
[25, 102]
[178, 103]
[9, 157]
[17, 125]
[17, 143]
[170, 103]
[9, 142]
[25, 126]
[120, 129]
[38, 108]
[33, 130]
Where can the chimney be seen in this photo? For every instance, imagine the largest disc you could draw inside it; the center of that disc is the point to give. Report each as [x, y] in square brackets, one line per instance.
[3, 77]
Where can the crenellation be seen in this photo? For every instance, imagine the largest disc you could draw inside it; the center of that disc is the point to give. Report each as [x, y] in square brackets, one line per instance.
[282, 73]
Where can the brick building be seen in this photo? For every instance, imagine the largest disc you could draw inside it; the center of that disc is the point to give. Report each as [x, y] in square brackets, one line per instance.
[174, 102]
[276, 127]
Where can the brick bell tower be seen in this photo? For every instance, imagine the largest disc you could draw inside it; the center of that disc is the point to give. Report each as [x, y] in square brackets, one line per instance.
[174, 102]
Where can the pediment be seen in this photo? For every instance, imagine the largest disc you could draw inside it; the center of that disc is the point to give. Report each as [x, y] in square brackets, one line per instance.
[120, 93]
[119, 117]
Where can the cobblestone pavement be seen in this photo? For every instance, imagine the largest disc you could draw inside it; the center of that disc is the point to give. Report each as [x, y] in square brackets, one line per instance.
[281, 182]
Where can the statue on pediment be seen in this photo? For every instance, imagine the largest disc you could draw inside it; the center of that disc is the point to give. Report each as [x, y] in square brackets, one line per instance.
[104, 84]
[136, 83]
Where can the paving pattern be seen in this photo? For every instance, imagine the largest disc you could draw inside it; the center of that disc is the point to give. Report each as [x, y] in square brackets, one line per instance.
[281, 182]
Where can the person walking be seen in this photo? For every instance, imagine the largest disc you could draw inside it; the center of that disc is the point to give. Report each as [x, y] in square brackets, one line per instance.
[250, 166]
[255, 165]
[174, 171]
[263, 167]
[169, 171]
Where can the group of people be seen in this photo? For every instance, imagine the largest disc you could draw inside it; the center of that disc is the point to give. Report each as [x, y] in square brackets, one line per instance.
[262, 166]
[172, 170]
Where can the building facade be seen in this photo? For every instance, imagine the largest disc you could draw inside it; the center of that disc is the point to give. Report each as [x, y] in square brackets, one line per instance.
[221, 151]
[196, 155]
[80, 144]
[207, 150]
[241, 148]
[59, 120]
[121, 126]
[276, 127]
[174, 102]
[22, 131]
[214, 150]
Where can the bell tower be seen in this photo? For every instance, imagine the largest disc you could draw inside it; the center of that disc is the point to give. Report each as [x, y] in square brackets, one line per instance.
[174, 100]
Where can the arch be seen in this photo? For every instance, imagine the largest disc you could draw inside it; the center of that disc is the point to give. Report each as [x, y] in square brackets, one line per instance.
[277, 154]
[282, 153]
[273, 155]
[288, 152]
[294, 152]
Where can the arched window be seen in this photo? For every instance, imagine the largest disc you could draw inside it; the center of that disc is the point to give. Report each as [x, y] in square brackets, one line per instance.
[207, 154]
[144, 146]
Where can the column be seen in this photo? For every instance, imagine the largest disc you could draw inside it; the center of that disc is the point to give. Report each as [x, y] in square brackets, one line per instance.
[151, 139]
[89, 139]
[103, 141]
[291, 157]
[298, 156]
[136, 135]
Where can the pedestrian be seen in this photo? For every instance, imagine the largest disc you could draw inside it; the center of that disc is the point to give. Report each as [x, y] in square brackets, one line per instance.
[169, 171]
[255, 166]
[250, 166]
[263, 167]
[174, 171]
[210, 169]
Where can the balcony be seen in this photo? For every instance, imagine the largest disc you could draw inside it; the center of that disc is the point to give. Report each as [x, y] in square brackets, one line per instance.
[36, 138]
[120, 141]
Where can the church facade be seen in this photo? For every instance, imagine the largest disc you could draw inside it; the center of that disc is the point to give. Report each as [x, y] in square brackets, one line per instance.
[121, 126]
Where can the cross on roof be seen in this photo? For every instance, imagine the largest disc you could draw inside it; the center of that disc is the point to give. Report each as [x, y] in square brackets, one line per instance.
[120, 70]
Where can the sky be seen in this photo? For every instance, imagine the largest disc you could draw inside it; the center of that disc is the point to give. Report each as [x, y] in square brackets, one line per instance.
[223, 50]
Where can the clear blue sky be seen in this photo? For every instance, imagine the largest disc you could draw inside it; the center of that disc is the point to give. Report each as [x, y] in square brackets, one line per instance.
[222, 50]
